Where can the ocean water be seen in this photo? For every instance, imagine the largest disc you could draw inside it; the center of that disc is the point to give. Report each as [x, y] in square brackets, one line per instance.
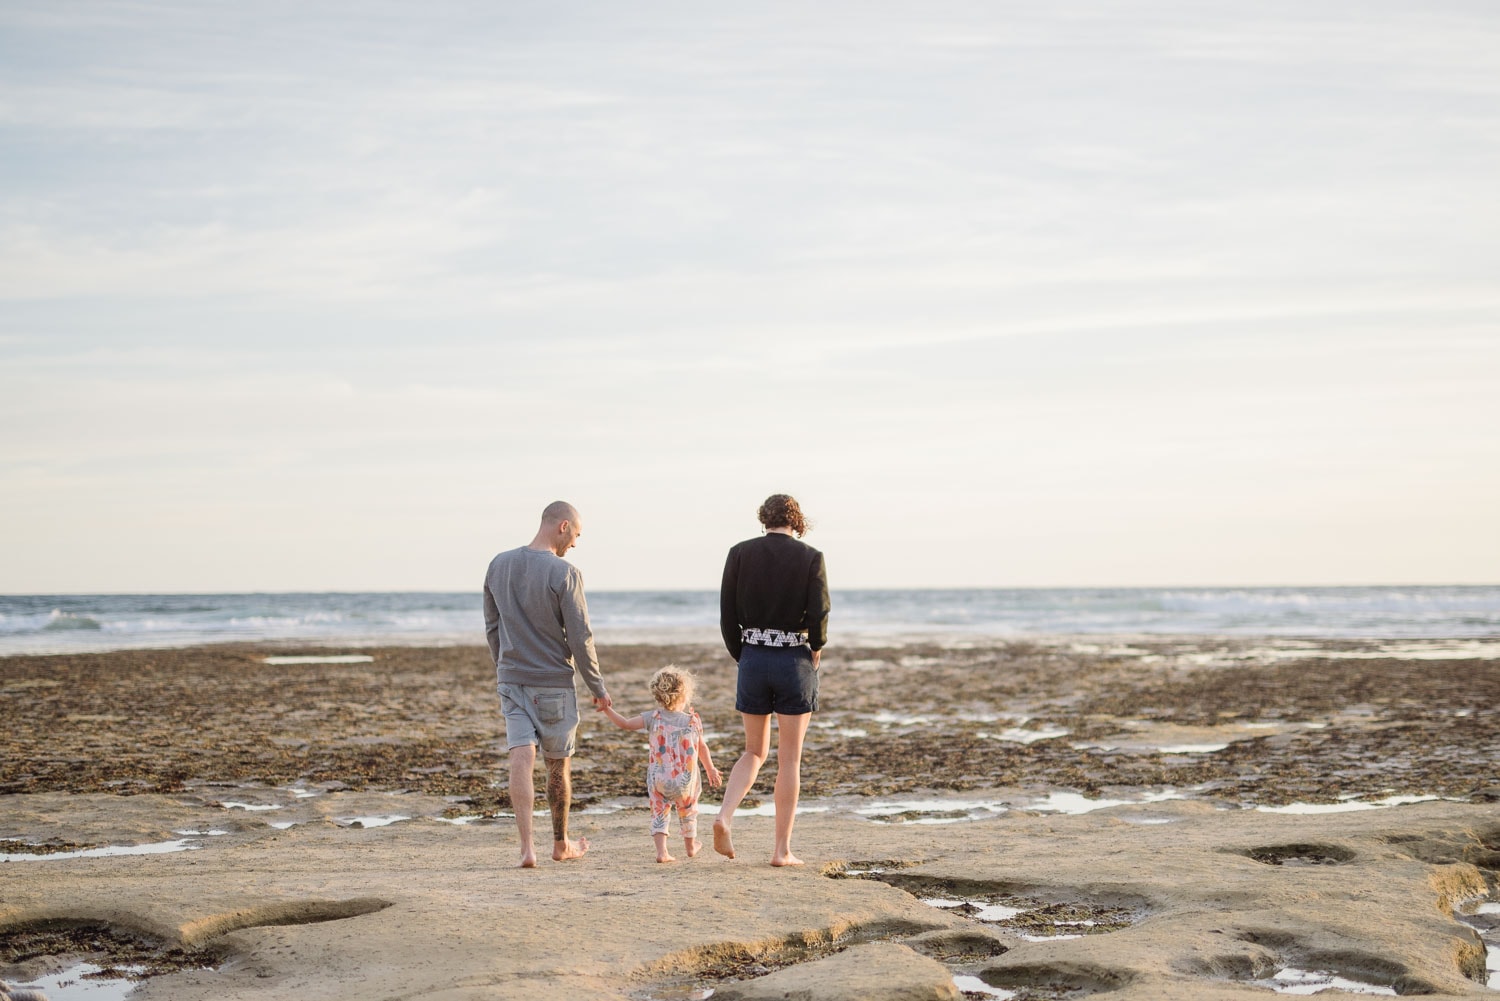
[78, 623]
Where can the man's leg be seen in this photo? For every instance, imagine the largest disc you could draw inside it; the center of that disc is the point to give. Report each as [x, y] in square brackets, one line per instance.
[523, 798]
[559, 799]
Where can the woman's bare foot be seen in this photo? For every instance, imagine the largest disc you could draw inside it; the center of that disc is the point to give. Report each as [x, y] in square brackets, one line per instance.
[563, 851]
[666, 857]
[693, 846]
[528, 861]
[723, 843]
[787, 859]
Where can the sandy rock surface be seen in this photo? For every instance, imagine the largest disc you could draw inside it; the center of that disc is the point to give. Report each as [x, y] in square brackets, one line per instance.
[316, 857]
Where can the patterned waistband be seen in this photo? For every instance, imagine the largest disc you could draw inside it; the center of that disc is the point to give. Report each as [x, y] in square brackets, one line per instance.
[772, 637]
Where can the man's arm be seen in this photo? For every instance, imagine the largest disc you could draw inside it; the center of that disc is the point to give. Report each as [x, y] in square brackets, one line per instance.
[575, 613]
[491, 623]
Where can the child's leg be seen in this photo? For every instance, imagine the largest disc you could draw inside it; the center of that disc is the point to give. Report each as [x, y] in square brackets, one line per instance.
[661, 809]
[687, 819]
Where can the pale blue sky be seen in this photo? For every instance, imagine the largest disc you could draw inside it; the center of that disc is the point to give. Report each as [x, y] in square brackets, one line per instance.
[339, 295]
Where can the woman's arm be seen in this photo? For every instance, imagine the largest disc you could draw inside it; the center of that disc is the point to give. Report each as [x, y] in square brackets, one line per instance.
[729, 616]
[817, 609]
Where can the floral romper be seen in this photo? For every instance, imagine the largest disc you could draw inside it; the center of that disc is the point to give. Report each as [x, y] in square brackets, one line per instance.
[672, 769]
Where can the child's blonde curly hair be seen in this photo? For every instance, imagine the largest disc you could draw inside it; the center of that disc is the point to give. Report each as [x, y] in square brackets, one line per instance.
[672, 687]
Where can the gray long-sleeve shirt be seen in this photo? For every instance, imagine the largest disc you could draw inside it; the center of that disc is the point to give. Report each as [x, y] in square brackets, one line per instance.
[537, 621]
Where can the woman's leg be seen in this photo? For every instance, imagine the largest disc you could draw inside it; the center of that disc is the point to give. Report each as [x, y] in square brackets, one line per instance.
[742, 777]
[790, 732]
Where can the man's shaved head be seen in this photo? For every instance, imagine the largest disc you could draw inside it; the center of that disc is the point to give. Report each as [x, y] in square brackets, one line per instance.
[557, 512]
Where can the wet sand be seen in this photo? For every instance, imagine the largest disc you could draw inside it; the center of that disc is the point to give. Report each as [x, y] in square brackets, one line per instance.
[332, 783]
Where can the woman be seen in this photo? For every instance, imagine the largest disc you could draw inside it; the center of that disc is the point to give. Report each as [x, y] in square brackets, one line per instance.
[773, 612]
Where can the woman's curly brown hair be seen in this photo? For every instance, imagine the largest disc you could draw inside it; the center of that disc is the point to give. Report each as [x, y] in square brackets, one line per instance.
[783, 511]
[672, 687]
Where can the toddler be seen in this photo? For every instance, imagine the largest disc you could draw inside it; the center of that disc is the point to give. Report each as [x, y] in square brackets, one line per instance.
[675, 747]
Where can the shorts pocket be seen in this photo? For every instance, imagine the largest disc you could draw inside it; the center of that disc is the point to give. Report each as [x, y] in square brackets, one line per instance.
[550, 708]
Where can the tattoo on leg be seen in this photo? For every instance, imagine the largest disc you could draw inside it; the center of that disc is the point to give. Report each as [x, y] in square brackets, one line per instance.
[559, 795]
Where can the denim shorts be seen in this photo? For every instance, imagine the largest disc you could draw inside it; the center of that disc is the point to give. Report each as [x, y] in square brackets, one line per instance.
[544, 716]
[776, 680]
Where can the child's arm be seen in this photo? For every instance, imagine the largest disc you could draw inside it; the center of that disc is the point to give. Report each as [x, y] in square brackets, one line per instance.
[714, 779]
[633, 723]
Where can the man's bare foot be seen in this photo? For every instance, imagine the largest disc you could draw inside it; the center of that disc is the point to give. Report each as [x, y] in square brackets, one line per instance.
[528, 861]
[666, 857]
[693, 846]
[723, 843]
[562, 851]
[787, 859]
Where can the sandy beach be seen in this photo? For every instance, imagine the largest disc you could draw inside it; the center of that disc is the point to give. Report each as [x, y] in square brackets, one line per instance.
[1148, 818]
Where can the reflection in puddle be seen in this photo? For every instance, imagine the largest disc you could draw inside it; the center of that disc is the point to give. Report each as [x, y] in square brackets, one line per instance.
[1291, 981]
[71, 985]
[251, 807]
[1347, 806]
[1192, 748]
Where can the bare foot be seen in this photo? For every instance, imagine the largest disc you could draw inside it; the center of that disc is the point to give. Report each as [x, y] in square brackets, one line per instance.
[693, 846]
[528, 861]
[666, 857]
[562, 851]
[787, 859]
[723, 843]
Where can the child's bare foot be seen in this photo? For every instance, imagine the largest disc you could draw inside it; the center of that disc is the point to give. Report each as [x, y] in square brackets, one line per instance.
[693, 846]
[723, 843]
[787, 859]
[666, 857]
[563, 851]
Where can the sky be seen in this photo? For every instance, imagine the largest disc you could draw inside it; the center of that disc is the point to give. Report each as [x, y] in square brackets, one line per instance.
[338, 295]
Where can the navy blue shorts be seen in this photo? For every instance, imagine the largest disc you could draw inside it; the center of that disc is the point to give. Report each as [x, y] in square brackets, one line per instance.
[776, 679]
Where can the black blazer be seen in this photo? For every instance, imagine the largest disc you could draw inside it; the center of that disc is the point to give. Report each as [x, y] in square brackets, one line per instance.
[774, 582]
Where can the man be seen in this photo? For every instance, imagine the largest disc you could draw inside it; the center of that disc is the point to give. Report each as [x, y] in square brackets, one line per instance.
[537, 625]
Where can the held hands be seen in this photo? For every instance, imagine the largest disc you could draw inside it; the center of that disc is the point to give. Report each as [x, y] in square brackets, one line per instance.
[603, 703]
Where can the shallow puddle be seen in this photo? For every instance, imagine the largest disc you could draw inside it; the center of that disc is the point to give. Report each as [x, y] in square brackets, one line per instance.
[158, 848]
[379, 821]
[80, 983]
[1489, 933]
[1293, 981]
[347, 658]
[971, 985]
[1019, 735]
[930, 811]
[1028, 918]
[1345, 806]
[1073, 804]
